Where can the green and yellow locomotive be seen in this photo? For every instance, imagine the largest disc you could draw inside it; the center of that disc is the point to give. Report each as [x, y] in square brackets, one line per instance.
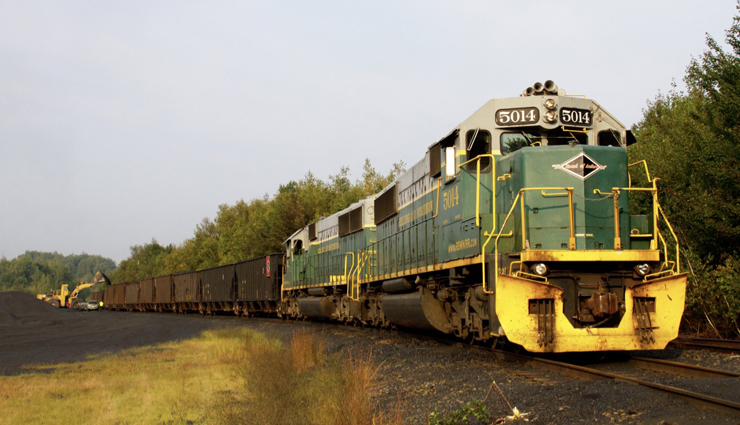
[516, 225]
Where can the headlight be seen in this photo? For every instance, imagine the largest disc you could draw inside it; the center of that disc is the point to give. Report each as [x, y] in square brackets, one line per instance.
[550, 104]
[642, 270]
[551, 116]
[540, 269]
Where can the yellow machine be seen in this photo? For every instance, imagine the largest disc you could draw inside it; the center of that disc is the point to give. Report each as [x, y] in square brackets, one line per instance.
[66, 298]
[63, 297]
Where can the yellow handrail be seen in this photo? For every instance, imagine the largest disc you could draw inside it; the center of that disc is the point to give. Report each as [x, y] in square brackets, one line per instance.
[678, 257]
[346, 254]
[477, 187]
[647, 171]
[656, 237]
[354, 284]
[571, 241]
[439, 183]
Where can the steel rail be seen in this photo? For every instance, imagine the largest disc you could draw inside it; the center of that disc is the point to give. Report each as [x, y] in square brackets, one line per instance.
[719, 345]
[699, 400]
[681, 369]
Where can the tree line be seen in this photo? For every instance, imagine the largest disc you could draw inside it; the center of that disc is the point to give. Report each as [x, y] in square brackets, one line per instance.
[255, 228]
[39, 272]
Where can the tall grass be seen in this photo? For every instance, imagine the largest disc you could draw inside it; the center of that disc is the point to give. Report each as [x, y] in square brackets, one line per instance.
[227, 376]
[302, 385]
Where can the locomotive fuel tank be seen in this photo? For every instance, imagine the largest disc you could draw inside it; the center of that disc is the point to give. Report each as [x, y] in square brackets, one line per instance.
[419, 309]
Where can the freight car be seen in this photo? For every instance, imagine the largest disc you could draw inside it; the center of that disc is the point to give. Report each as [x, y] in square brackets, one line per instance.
[516, 225]
[245, 288]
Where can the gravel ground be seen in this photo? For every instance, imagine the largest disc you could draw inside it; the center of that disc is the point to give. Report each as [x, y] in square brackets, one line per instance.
[417, 373]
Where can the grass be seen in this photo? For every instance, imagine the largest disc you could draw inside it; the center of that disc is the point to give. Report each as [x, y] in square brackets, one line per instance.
[229, 376]
[301, 385]
[168, 384]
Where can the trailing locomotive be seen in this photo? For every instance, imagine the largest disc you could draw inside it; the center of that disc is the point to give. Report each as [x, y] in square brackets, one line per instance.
[516, 225]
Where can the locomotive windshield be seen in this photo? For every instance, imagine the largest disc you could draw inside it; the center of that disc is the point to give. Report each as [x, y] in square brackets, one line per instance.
[511, 142]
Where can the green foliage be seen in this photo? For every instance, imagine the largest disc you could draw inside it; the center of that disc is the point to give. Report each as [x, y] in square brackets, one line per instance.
[692, 142]
[473, 412]
[39, 272]
[255, 228]
[145, 261]
[713, 295]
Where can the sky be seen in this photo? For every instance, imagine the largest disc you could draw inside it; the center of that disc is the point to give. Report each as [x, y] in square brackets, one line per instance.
[124, 122]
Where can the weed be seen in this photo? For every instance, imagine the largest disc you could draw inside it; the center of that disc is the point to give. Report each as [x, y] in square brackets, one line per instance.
[473, 412]
[300, 384]
[307, 349]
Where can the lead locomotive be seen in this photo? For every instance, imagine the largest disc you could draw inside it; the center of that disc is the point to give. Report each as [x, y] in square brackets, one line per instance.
[516, 225]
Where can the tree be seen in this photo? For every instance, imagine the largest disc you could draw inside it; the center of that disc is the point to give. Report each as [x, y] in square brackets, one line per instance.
[145, 261]
[691, 141]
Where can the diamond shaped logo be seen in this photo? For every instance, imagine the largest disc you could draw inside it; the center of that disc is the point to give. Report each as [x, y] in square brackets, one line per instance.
[581, 166]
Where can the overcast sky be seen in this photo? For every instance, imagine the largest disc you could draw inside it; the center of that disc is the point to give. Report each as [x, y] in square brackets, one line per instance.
[126, 121]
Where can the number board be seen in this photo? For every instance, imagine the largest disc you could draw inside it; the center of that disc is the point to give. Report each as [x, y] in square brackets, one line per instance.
[573, 116]
[517, 116]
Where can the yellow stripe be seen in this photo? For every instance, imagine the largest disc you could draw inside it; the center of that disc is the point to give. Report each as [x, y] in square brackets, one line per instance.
[425, 269]
[591, 255]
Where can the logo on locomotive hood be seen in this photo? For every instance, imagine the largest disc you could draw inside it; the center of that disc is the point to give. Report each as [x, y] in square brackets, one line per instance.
[581, 166]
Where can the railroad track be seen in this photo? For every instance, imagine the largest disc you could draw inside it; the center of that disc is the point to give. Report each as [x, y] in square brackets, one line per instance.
[701, 401]
[731, 346]
[698, 400]
[683, 370]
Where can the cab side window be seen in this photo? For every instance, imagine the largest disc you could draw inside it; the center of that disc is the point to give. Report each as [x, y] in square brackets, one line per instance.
[478, 142]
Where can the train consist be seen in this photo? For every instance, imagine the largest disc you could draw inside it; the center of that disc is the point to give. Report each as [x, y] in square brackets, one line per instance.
[517, 225]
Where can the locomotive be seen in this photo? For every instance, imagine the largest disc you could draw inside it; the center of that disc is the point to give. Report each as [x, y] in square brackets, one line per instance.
[516, 227]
